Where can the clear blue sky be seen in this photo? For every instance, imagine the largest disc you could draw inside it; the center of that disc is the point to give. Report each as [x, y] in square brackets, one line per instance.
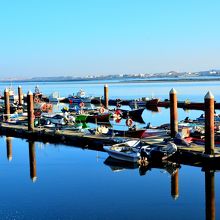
[80, 37]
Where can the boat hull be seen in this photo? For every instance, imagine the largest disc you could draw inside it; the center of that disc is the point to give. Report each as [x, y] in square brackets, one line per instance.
[129, 157]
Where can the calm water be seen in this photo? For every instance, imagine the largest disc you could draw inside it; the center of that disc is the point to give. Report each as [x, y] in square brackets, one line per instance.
[46, 181]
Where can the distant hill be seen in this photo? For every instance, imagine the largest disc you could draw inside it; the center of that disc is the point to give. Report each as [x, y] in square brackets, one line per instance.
[142, 76]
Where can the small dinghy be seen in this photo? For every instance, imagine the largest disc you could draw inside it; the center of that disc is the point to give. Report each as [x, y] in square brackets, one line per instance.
[133, 150]
[127, 151]
[161, 152]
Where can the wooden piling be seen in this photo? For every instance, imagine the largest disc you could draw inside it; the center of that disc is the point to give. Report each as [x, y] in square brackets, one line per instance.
[175, 185]
[20, 96]
[173, 113]
[209, 124]
[210, 194]
[106, 97]
[30, 109]
[32, 161]
[9, 148]
[7, 104]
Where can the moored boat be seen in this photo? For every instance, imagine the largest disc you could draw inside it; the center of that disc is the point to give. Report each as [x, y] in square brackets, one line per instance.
[161, 151]
[80, 97]
[55, 97]
[127, 151]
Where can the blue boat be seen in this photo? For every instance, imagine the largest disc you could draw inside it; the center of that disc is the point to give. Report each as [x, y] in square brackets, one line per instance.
[80, 97]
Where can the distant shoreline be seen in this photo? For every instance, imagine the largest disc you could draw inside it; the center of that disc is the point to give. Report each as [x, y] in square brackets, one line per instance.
[103, 81]
[172, 80]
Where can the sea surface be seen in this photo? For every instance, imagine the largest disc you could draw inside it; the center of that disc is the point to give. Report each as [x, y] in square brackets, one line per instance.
[54, 181]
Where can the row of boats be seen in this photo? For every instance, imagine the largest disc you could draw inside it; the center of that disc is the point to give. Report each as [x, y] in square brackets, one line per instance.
[78, 117]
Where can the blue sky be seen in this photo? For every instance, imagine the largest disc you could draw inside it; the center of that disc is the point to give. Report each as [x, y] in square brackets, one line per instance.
[81, 37]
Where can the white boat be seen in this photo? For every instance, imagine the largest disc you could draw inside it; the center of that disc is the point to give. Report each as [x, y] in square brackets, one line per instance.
[12, 97]
[127, 151]
[79, 97]
[55, 118]
[132, 151]
[55, 97]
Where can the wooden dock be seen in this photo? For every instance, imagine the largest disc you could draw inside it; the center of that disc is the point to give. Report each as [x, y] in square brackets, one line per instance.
[193, 152]
[208, 153]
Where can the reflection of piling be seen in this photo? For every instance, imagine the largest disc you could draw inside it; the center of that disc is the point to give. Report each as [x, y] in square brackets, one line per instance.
[106, 96]
[9, 148]
[210, 195]
[20, 95]
[7, 104]
[32, 161]
[173, 113]
[30, 108]
[175, 185]
[209, 123]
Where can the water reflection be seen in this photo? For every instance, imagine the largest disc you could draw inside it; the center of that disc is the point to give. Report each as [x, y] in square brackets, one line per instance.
[9, 148]
[175, 184]
[210, 194]
[32, 161]
[173, 169]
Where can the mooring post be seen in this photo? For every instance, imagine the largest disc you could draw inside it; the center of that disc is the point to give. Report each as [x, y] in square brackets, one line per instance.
[106, 95]
[9, 148]
[7, 104]
[173, 113]
[209, 124]
[30, 108]
[175, 185]
[20, 95]
[32, 161]
[210, 194]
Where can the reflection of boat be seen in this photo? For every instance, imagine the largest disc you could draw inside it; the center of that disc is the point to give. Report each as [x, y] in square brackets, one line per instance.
[118, 165]
[131, 113]
[134, 114]
[98, 118]
[128, 151]
[153, 108]
[152, 102]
